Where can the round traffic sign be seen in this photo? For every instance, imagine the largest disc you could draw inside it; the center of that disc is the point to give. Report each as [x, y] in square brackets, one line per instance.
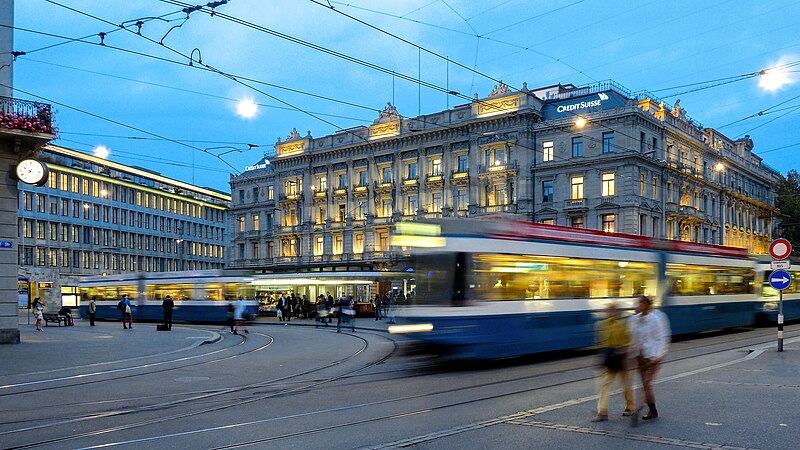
[780, 280]
[780, 248]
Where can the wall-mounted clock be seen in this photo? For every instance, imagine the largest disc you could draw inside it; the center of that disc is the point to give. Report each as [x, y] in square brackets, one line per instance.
[32, 171]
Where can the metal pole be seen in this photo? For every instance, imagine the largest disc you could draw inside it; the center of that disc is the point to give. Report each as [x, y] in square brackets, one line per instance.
[780, 322]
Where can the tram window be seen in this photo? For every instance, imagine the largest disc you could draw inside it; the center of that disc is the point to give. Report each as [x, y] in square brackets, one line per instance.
[527, 277]
[435, 278]
[689, 280]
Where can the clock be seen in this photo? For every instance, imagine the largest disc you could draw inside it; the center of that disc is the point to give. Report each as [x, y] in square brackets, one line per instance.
[32, 171]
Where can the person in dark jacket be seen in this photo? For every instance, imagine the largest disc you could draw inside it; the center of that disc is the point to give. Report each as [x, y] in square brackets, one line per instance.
[92, 310]
[378, 305]
[66, 312]
[168, 306]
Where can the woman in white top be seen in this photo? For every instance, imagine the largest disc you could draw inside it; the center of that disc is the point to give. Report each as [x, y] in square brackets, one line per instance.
[651, 337]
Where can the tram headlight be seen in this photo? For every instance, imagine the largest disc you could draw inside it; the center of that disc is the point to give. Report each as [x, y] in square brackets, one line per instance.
[413, 328]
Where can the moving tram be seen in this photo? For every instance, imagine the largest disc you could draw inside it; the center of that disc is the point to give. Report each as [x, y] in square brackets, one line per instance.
[508, 288]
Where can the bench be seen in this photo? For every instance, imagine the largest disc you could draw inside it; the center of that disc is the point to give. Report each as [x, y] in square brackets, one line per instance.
[53, 317]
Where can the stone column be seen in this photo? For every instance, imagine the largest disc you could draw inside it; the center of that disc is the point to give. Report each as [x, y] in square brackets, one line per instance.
[9, 327]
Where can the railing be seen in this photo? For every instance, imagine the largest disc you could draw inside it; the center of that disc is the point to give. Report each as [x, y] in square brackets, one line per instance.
[497, 208]
[575, 203]
[511, 165]
[291, 197]
[26, 115]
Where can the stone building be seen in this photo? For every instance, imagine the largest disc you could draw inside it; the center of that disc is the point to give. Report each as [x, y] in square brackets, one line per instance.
[96, 216]
[596, 156]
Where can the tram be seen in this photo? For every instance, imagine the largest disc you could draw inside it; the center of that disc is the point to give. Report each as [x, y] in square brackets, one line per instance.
[508, 288]
[203, 296]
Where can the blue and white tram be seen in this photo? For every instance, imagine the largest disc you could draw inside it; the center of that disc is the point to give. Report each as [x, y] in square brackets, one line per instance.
[768, 297]
[514, 288]
[199, 296]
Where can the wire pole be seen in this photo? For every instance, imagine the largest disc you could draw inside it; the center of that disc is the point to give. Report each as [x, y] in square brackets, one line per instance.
[780, 322]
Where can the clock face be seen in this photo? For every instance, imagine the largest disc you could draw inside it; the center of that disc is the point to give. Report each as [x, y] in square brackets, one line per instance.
[32, 171]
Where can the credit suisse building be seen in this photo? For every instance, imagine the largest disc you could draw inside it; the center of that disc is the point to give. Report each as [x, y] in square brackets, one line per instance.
[596, 156]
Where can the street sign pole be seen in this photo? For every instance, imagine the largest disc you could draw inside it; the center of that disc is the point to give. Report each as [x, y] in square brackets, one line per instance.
[780, 321]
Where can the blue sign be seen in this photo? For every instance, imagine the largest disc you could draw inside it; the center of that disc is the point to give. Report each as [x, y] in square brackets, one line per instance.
[5, 244]
[780, 279]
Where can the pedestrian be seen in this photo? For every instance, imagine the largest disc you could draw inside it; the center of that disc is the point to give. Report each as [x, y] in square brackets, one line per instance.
[651, 337]
[37, 303]
[124, 306]
[168, 306]
[67, 313]
[614, 339]
[231, 321]
[346, 313]
[238, 316]
[92, 310]
[39, 315]
[378, 315]
[330, 305]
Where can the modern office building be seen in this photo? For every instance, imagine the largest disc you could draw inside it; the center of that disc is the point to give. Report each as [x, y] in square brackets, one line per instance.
[95, 216]
[596, 156]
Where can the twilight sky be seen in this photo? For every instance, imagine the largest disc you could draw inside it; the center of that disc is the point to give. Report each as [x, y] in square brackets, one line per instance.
[294, 60]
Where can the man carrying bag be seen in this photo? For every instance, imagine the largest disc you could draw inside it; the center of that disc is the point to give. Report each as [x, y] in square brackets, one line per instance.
[614, 338]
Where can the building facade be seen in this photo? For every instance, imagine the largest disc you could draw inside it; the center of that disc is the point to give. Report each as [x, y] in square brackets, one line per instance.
[96, 216]
[596, 156]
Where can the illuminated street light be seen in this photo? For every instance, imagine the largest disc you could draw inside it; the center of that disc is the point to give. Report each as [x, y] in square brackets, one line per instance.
[773, 79]
[104, 193]
[580, 122]
[719, 167]
[247, 108]
[86, 206]
[101, 151]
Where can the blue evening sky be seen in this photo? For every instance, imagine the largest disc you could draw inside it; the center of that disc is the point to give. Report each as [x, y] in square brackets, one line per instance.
[668, 48]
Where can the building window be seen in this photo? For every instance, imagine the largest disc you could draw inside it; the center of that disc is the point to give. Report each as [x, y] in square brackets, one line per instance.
[270, 250]
[342, 181]
[608, 222]
[53, 257]
[462, 163]
[577, 147]
[576, 222]
[270, 193]
[547, 151]
[436, 166]
[27, 228]
[436, 203]
[40, 257]
[462, 200]
[608, 184]
[362, 178]
[577, 188]
[500, 194]
[411, 205]
[255, 194]
[319, 245]
[547, 191]
[358, 243]
[338, 240]
[322, 183]
[383, 241]
[642, 184]
[241, 251]
[411, 171]
[321, 215]
[361, 211]
[64, 207]
[256, 224]
[241, 196]
[386, 208]
[41, 200]
[655, 188]
[670, 194]
[655, 227]
[74, 183]
[608, 142]
[64, 185]
[387, 174]
[27, 201]
[548, 221]
[256, 250]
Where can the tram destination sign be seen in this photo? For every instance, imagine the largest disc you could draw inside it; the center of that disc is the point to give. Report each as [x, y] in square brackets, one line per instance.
[780, 265]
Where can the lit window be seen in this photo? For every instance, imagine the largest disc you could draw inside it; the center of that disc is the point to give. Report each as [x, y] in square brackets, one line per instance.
[547, 151]
[576, 222]
[547, 191]
[577, 188]
[436, 166]
[412, 205]
[608, 184]
[608, 222]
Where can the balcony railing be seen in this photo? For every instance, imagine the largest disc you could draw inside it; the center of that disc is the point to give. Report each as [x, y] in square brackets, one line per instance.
[499, 168]
[26, 115]
[575, 203]
[497, 208]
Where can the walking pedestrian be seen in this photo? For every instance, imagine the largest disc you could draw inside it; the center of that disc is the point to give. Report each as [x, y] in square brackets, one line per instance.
[238, 316]
[614, 339]
[651, 337]
[377, 301]
[231, 320]
[39, 315]
[346, 313]
[329, 305]
[124, 306]
[168, 306]
[92, 310]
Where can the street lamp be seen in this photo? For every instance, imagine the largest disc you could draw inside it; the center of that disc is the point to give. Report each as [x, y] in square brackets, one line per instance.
[580, 122]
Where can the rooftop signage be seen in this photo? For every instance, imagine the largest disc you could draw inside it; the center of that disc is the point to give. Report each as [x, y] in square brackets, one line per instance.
[584, 104]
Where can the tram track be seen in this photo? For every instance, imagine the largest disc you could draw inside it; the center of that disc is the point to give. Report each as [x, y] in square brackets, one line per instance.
[192, 413]
[308, 385]
[428, 409]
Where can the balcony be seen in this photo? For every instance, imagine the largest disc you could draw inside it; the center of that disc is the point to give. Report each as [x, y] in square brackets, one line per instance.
[576, 203]
[321, 195]
[289, 198]
[410, 182]
[25, 115]
[459, 177]
[434, 179]
[512, 208]
[340, 192]
[383, 187]
[361, 190]
[507, 168]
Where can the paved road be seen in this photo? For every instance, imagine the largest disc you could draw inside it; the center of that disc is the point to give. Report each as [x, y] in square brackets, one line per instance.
[294, 386]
